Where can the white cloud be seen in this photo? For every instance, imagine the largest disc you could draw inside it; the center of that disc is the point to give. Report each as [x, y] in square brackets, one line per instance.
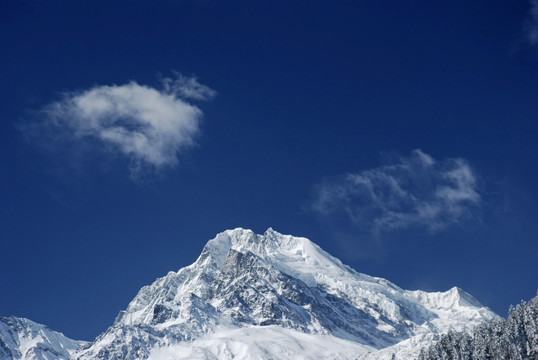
[532, 24]
[149, 126]
[415, 190]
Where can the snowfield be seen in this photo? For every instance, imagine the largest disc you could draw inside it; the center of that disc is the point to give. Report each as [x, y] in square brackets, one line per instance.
[262, 343]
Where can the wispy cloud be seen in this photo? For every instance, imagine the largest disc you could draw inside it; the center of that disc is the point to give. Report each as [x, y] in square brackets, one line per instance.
[415, 190]
[532, 24]
[149, 126]
[187, 87]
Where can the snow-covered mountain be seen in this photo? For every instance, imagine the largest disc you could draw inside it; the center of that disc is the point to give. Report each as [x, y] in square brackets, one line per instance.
[24, 339]
[247, 291]
[275, 296]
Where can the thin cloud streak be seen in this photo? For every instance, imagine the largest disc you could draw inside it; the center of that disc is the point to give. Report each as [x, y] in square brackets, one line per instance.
[188, 88]
[413, 191]
[532, 24]
[150, 127]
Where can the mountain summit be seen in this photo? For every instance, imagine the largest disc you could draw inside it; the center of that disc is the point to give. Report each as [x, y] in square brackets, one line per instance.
[276, 296]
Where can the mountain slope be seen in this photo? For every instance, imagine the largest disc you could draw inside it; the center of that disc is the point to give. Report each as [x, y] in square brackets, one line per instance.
[24, 339]
[246, 287]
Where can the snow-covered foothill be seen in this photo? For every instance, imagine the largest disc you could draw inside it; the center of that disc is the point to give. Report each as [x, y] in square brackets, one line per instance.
[24, 339]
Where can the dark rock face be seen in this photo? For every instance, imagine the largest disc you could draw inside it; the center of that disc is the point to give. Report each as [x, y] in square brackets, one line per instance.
[161, 313]
[262, 295]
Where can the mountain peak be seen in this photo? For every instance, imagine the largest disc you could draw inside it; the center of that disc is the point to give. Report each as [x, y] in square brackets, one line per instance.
[294, 256]
[466, 299]
[276, 283]
[242, 240]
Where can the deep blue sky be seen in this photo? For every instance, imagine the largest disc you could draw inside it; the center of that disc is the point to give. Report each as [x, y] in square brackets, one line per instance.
[307, 92]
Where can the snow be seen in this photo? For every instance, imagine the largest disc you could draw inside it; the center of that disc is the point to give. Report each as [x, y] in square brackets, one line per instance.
[271, 296]
[27, 340]
[262, 343]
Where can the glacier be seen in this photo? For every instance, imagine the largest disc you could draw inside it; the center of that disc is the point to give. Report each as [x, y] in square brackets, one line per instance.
[275, 296]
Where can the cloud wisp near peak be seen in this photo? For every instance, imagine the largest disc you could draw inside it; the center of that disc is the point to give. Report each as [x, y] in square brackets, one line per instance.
[414, 190]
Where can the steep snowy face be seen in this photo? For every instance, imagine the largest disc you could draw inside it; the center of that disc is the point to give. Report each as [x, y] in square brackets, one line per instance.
[24, 339]
[247, 281]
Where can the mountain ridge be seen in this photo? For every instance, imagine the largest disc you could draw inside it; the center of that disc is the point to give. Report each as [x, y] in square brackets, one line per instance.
[245, 283]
